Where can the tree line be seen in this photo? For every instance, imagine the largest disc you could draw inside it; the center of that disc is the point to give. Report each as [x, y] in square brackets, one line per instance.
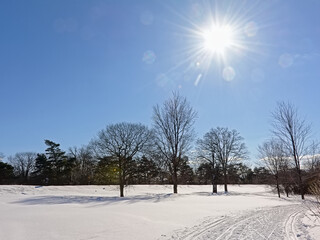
[79, 166]
[131, 153]
[289, 154]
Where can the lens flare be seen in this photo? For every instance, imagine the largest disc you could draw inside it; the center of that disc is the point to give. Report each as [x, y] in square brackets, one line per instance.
[228, 74]
[286, 60]
[149, 57]
[251, 29]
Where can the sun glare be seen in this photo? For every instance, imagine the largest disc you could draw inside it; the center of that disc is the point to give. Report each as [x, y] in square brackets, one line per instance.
[218, 38]
[213, 41]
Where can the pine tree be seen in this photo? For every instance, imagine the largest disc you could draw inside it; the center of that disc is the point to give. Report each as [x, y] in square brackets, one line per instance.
[6, 173]
[53, 167]
[43, 170]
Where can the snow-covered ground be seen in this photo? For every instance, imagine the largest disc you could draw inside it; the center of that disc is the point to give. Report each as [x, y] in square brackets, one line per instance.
[152, 212]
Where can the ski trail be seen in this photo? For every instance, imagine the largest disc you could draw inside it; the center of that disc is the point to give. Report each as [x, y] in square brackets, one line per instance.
[271, 223]
[290, 231]
[196, 233]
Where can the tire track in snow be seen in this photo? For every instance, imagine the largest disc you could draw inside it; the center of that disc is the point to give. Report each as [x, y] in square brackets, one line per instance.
[272, 223]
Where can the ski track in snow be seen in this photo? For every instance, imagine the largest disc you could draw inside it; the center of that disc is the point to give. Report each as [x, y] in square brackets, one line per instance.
[271, 223]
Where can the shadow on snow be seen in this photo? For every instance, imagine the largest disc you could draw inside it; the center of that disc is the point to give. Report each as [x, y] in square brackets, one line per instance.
[48, 200]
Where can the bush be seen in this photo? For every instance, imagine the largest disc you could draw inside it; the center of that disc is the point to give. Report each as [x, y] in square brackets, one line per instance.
[314, 189]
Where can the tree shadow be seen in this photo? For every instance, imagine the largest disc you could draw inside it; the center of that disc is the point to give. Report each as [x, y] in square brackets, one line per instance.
[98, 200]
[93, 200]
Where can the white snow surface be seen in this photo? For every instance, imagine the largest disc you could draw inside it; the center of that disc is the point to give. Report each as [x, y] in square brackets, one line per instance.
[153, 212]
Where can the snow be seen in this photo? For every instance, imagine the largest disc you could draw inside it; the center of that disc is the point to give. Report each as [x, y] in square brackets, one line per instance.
[152, 212]
[311, 223]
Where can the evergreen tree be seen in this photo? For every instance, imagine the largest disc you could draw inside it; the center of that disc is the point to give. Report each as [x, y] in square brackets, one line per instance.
[107, 171]
[239, 173]
[261, 175]
[53, 167]
[43, 170]
[6, 173]
[185, 172]
[204, 173]
[147, 171]
[60, 163]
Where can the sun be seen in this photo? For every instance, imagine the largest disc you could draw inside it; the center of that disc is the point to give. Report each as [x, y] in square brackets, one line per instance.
[218, 38]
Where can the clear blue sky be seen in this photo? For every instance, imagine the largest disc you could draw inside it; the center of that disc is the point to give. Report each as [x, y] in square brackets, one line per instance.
[70, 67]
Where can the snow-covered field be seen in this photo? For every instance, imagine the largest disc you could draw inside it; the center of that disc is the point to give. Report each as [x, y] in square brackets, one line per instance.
[152, 212]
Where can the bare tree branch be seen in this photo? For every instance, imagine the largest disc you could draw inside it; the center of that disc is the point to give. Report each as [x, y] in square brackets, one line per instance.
[293, 132]
[124, 141]
[274, 158]
[227, 146]
[23, 163]
[173, 128]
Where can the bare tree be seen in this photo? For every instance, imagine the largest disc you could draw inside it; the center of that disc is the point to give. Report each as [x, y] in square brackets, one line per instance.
[1, 156]
[207, 151]
[84, 164]
[273, 157]
[23, 163]
[173, 127]
[229, 148]
[123, 141]
[293, 132]
[313, 157]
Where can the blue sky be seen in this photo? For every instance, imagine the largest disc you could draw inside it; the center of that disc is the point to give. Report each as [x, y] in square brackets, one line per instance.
[69, 68]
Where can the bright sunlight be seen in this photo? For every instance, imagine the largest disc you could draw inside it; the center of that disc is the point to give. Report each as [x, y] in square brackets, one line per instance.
[218, 39]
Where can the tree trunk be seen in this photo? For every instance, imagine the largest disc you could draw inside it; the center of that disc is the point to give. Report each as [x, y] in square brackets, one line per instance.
[225, 180]
[214, 186]
[175, 188]
[175, 181]
[278, 188]
[298, 167]
[286, 185]
[121, 178]
[121, 189]
[27, 177]
[301, 185]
